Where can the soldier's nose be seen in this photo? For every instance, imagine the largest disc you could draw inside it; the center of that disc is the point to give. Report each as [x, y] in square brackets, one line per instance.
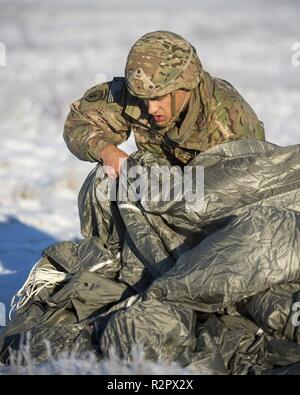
[152, 107]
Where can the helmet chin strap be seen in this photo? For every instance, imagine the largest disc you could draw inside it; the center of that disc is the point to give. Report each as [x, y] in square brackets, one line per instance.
[173, 105]
[175, 114]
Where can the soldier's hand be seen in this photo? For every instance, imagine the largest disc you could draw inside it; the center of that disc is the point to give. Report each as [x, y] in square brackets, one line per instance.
[113, 158]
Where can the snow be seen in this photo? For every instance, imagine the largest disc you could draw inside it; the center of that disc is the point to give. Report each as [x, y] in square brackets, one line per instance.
[57, 49]
[22, 363]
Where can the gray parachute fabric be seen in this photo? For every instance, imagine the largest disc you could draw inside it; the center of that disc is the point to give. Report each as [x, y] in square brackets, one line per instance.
[213, 289]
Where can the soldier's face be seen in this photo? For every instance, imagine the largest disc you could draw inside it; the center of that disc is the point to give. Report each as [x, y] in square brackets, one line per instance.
[161, 108]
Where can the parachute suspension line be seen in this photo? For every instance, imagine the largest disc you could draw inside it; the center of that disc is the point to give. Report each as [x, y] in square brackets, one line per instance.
[38, 279]
[45, 276]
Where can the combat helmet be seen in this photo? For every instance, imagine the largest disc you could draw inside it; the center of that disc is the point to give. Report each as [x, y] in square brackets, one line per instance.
[160, 63]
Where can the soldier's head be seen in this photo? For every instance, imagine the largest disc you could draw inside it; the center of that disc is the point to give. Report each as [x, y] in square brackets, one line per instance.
[162, 68]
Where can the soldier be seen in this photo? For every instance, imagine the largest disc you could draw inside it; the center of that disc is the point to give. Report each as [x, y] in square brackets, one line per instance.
[174, 108]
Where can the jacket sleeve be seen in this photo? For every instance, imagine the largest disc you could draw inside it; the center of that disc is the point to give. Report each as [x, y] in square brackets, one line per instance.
[93, 123]
[233, 118]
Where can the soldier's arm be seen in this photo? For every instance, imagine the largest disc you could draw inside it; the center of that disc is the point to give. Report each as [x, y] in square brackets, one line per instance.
[94, 124]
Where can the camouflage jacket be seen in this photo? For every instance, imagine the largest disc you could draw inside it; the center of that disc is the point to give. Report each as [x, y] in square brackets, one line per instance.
[107, 113]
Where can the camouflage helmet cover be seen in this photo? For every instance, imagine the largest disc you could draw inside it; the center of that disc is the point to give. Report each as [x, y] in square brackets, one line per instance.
[159, 63]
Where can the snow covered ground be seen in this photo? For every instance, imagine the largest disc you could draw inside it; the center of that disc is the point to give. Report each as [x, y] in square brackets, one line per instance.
[56, 49]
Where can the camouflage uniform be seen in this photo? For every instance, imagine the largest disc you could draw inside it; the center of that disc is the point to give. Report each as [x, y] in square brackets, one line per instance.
[158, 64]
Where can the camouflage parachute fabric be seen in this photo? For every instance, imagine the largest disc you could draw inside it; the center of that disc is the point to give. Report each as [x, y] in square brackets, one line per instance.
[212, 289]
